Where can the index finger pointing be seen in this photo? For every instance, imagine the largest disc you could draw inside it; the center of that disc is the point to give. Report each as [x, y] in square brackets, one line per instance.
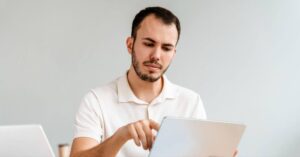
[154, 125]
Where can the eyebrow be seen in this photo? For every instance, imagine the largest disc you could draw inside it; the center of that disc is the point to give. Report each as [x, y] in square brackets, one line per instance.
[164, 44]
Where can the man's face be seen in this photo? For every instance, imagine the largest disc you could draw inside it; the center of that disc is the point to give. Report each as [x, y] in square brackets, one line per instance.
[153, 48]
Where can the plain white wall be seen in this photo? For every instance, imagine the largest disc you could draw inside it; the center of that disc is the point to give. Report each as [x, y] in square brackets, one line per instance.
[240, 56]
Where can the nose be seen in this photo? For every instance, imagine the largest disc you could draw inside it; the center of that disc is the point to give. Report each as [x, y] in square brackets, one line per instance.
[155, 55]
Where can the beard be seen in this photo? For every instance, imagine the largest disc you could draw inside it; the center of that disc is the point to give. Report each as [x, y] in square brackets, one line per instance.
[141, 75]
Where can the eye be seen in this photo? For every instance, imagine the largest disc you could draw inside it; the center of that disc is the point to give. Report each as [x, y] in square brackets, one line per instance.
[167, 49]
[149, 44]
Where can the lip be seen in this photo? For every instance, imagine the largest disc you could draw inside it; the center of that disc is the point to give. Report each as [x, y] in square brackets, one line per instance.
[153, 67]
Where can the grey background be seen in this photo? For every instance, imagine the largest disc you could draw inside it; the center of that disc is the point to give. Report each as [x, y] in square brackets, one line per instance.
[240, 56]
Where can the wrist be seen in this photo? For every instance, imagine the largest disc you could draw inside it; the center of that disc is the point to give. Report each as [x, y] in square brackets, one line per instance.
[122, 135]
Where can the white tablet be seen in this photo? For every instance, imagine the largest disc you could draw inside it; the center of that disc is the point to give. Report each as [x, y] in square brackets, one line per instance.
[180, 137]
[24, 141]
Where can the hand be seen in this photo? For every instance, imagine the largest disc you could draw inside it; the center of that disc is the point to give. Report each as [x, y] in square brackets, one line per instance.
[140, 132]
[235, 153]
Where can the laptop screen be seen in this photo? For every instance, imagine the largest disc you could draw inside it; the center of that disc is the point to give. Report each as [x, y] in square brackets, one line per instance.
[24, 141]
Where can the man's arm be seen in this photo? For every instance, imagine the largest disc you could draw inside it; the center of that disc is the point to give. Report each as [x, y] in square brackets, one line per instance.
[88, 147]
[140, 132]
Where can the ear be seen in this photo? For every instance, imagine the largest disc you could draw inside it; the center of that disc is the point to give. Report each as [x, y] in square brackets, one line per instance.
[129, 44]
[174, 52]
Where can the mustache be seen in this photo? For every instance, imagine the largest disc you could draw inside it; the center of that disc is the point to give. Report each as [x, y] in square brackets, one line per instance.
[153, 62]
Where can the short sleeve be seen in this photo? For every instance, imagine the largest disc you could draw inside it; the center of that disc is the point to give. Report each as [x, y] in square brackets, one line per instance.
[199, 112]
[88, 121]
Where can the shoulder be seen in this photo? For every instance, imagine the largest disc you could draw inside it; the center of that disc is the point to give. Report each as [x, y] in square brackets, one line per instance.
[93, 99]
[185, 92]
[191, 101]
[109, 90]
[95, 96]
[105, 90]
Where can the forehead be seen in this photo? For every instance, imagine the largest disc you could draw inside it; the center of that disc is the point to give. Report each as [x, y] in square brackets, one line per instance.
[154, 28]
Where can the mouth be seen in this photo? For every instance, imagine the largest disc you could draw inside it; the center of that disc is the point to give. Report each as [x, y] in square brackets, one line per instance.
[153, 66]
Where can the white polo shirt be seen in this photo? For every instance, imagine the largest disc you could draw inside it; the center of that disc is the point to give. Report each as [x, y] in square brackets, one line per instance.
[105, 109]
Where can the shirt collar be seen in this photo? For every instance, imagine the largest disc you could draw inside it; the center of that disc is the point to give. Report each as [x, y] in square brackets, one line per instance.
[125, 94]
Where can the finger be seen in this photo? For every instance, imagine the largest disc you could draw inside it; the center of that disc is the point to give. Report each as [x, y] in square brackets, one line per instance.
[153, 140]
[235, 153]
[149, 135]
[134, 135]
[141, 134]
[154, 125]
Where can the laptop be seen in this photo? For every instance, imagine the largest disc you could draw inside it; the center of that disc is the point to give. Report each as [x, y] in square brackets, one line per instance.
[24, 141]
[181, 137]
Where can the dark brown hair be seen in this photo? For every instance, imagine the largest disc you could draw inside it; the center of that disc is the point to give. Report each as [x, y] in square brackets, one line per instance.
[165, 15]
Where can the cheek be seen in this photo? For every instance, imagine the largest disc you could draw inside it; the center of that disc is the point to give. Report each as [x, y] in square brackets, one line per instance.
[141, 55]
[166, 60]
[138, 57]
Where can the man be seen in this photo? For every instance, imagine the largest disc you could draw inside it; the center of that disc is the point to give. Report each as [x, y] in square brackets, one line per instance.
[115, 119]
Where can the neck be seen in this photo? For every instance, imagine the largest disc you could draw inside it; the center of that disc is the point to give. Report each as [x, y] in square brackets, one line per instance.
[144, 90]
